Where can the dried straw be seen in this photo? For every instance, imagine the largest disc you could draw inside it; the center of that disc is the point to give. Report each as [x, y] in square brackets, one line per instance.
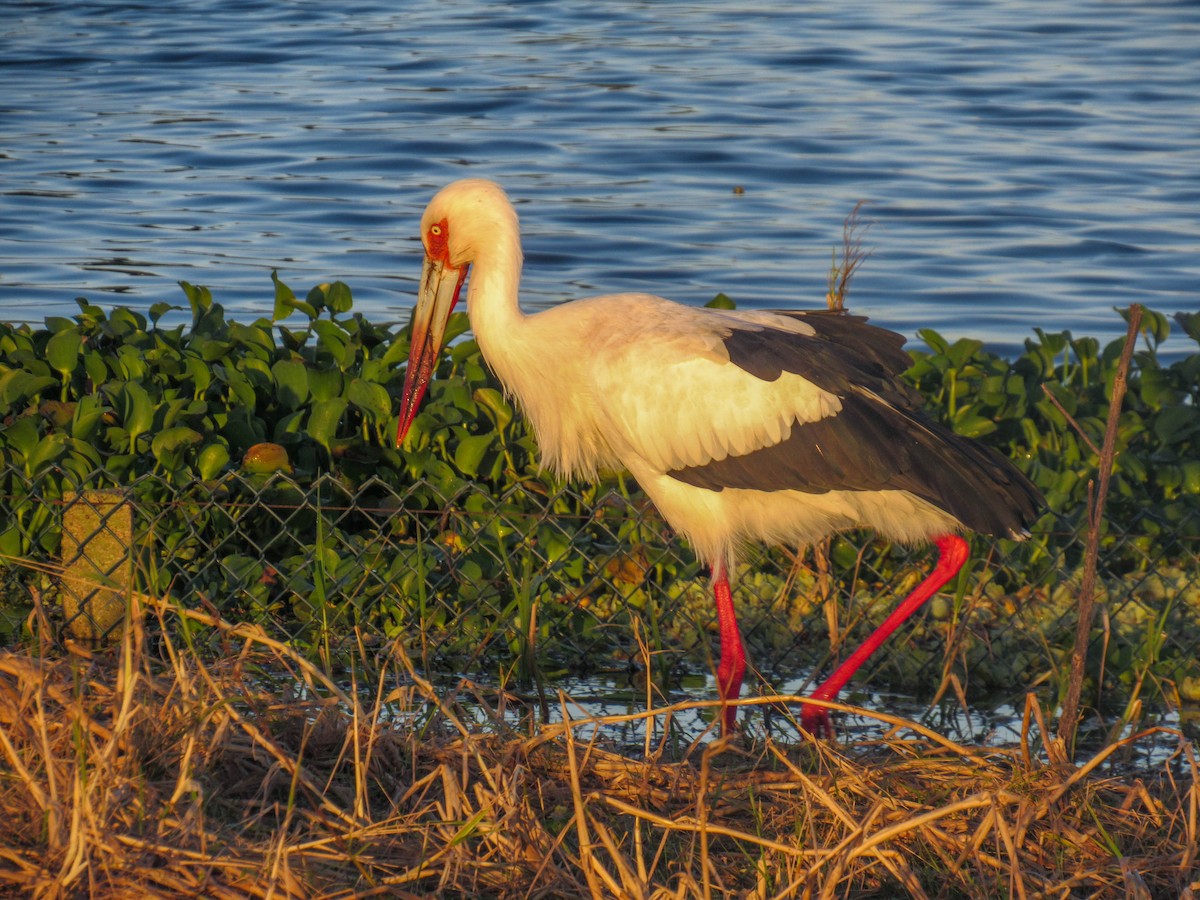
[154, 770]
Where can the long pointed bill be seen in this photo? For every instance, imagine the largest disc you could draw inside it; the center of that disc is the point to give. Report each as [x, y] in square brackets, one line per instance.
[440, 285]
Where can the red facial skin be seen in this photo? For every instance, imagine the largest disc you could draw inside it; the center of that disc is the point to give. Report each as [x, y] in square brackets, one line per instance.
[438, 295]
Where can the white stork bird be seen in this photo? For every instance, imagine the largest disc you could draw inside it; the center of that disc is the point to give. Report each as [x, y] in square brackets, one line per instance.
[739, 425]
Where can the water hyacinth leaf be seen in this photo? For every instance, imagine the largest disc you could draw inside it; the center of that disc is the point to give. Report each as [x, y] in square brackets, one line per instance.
[497, 407]
[291, 383]
[171, 440]
[199, 373]
[136, 410]
[1191, 476]
[47, 450]
[254, 338]
[1155, 325]
[13, 341]
[12, 542]
[1086, 348]
[371, 398]
[469, 451]
[397, 351]
[289, 424]
[324, 384]
[293, 340]
[160, 309]
[323, 421]
[17, 386]
[333, 340]
[239, 385]
[212, 460]
[1170, 477]
[338, 298]
[32, 363]
[199, 299]
[933, 340]
[124, 322]
[1053, 343]
[1132, 466]
[962, 350]
[286, 301]
[21, 436]
[316, 297]
[1190, 323]
[373, 370]
[1157, 389]
[62, 350]
[457, 395]
[89, 411]
[970, 423]
[241, 570]
[172, 410]
[55, 324]
[465, 353]
[211, 324]
[94, 365]
[209, 349]
[259, 374]
[458, 324]
[131, 362]
[1176, 424]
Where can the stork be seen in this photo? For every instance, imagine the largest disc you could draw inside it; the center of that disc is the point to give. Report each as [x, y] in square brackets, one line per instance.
[775, 426]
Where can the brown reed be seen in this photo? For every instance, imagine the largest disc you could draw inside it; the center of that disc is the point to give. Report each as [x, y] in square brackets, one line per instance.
[156, 770]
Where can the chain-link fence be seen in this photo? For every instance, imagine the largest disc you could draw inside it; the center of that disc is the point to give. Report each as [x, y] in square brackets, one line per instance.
[543, 581]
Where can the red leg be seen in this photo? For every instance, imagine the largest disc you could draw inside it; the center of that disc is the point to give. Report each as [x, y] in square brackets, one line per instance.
[952, 554]
[733, 656]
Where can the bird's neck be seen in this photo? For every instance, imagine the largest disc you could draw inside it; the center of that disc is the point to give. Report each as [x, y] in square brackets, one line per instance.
[532, 356]
[494, 310]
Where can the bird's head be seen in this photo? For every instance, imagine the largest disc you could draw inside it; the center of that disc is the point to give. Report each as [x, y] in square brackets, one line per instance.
[461, 222]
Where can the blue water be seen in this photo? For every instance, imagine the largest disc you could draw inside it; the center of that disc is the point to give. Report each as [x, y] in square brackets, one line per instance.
[1026, 163]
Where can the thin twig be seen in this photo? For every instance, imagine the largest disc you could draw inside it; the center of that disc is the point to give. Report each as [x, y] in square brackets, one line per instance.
[1070, 418]
[1069, 721]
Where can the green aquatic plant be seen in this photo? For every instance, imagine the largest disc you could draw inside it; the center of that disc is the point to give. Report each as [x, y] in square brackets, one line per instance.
[262, 462]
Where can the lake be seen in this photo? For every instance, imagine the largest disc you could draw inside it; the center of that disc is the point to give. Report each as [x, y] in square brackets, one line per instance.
[1024, 163]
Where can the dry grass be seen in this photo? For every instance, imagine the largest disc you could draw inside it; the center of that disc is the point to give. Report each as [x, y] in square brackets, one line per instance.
[153, 770]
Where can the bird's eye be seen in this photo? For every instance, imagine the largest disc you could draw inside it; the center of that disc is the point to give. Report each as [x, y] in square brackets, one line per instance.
[435, 240]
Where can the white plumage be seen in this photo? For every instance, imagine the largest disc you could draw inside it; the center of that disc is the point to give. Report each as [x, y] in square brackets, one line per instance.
[739, 425]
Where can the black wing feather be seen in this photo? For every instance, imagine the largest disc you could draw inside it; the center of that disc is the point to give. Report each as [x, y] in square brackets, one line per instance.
[879, 441]
[845, 351]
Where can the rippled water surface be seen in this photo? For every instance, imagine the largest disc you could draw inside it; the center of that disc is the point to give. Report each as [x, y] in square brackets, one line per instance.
[1026, 163]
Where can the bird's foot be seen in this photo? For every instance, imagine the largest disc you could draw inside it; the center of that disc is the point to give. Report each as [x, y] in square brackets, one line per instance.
[815, 719]
[729, 721]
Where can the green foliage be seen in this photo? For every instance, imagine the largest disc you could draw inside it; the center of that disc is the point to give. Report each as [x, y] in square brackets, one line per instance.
[263, 458]
[246, 443]
[1033, 409]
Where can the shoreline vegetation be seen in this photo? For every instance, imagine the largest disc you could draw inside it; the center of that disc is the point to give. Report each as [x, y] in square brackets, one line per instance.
[177, 761]
[167, 773]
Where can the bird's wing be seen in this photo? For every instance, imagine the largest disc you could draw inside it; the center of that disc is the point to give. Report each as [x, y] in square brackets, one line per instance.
[802, 401]
[683, 387]
[871, 445]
